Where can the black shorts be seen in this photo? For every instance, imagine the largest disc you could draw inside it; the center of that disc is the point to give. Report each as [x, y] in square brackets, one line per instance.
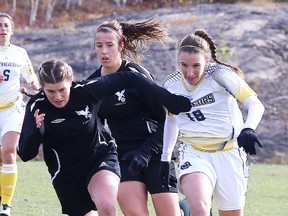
[74, 196]
[150, 177]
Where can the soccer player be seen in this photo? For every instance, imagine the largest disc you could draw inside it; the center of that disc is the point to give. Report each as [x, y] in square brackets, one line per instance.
[214, 140]
[14, 63]
[80, 153]
[134, 118]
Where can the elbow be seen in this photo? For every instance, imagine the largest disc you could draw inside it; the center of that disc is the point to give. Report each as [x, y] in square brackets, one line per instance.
[24, 157]
[261, 107]
[26, 154]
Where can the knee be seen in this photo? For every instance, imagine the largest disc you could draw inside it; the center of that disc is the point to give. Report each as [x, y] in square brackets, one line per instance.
[200, 208]
[106, 208]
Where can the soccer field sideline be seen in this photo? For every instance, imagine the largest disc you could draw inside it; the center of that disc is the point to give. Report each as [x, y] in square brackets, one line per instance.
[267, 192]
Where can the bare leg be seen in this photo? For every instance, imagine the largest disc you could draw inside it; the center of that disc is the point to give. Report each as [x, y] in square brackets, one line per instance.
[103, 188]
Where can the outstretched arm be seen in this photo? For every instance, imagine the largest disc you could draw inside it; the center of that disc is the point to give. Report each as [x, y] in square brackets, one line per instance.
[109, 84]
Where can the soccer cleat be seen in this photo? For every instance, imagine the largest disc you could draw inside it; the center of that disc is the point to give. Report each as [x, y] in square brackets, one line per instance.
[4, 210]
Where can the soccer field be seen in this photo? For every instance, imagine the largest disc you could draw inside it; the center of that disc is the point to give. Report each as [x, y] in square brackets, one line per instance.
[267, 191]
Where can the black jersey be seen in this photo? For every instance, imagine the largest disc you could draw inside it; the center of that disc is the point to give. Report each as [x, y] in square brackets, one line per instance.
[134, 117]
[69, 135]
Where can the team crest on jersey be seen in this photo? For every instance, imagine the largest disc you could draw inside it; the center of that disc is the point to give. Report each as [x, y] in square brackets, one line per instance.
[57, 121]
[186, 165]
[208, 99]
[86, 113]
[121, 97]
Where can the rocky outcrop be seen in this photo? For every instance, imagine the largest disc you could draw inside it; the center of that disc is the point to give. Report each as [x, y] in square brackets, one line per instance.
[253, 38]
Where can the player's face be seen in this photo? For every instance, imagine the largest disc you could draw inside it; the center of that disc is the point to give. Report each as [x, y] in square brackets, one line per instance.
[192, 66]
[58, 94]
[6, 31]
[108, 50]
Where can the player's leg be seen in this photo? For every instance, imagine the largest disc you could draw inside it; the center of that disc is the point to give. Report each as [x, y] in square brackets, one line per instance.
[103, 188]
[185, 207]
[166, 204]
[9, 172]
[232, 170]
[197, 179]
[132, 198]
[198, 190]
[11, 120]
[165, 200]
[133, 195]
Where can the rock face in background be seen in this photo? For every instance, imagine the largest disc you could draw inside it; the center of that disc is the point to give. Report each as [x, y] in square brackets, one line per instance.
[252, 38]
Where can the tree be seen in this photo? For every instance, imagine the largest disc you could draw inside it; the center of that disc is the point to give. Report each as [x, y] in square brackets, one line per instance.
[34, 10]
[49, 9]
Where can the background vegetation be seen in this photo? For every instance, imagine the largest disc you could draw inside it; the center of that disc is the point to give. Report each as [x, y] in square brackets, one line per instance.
[45, 13]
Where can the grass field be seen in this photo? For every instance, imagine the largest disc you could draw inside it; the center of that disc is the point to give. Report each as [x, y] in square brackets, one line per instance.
[267, 191]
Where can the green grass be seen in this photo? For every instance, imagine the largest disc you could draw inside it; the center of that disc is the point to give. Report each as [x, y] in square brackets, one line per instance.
[35, 196]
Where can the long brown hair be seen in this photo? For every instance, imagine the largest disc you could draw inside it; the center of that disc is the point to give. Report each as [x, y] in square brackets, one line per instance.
[135, 35]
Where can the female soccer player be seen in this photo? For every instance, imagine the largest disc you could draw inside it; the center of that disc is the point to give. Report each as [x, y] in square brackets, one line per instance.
[134, 118]
[14, 63]
[214, 140]
[79, 152]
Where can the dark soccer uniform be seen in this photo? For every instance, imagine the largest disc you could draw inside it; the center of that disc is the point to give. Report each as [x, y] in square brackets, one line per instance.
[73, 149]
[136, 118]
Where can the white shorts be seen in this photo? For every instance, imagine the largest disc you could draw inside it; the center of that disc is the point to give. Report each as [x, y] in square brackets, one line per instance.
[228, 172]
[11, 119]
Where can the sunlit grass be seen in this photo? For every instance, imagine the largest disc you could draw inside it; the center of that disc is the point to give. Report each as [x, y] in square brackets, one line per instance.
[35, 196]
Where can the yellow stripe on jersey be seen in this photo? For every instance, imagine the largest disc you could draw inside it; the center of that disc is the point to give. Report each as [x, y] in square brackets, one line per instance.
[232, 82]
[10, 104]
[186, 87]
[170, 114]
[213, 147]
[209, 144]
[245, 91]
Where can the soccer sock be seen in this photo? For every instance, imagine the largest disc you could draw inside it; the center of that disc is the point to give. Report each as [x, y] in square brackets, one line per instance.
[8, 182]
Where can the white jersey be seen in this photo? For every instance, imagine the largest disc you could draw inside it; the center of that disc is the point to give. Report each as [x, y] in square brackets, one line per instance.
[14, 62]
[215, 120]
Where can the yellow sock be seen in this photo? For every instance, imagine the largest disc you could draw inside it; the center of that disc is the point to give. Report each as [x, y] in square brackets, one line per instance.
[8, 182]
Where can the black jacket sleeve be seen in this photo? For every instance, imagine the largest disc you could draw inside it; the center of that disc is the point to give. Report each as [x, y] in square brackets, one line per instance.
[109, 84]
[30, 137]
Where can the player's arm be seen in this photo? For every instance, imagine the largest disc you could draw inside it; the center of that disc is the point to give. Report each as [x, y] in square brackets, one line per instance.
[28, 73]
[30, 137]
[171, 131]
[110, 84]
[170, 137]
[242, 91]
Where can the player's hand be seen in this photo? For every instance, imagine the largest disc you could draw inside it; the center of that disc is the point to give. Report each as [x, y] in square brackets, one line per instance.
[139, 161]
[167, 179]
[248, 140]
[39, 118]
[34, 85]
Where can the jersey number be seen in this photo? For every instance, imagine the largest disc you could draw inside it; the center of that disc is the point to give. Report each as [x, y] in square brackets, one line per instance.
[197, 115]
[6, 74]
